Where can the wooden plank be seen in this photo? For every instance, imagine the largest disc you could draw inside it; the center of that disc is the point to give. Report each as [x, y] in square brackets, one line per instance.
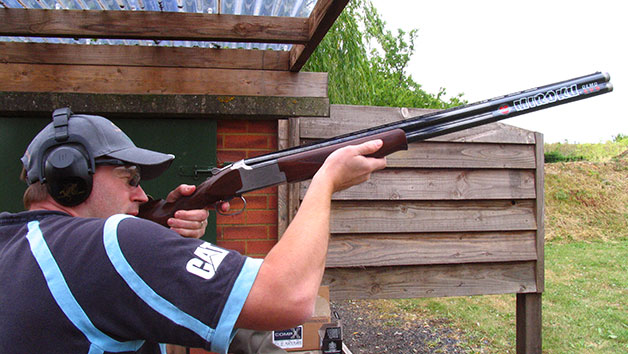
[346, 119]
[283, 132]
[529, 323]
[441, 184]
[150, 80]
[370, 250]
[320, 21]
[430, 281]
[152, 25]
[158, 105]
[462, 155]
[416, 216]
[120, 55]
[293, 188]
[540, 213]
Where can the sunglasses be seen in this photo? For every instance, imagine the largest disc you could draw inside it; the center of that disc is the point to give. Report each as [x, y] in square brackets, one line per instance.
[125, 171]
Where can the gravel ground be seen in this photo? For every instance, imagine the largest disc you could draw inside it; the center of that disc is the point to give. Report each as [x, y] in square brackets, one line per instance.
[366, 329]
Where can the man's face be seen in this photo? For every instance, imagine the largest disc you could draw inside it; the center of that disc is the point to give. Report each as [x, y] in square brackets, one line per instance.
[113, 192]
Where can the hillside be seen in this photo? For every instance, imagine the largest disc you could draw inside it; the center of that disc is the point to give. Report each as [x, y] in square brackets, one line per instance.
[586, 200]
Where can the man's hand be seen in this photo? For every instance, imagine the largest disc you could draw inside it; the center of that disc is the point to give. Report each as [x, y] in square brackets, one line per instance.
[187, 223]
[348, 166]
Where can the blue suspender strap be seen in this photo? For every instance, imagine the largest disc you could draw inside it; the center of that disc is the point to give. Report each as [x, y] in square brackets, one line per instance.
[65, 299]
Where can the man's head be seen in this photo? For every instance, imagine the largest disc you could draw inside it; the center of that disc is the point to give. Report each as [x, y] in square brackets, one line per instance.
[64, 157]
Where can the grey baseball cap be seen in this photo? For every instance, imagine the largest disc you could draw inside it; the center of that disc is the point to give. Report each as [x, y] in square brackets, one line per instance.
[101, 138]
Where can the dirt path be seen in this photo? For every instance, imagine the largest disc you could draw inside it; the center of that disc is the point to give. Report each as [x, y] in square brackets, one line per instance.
[368, 330]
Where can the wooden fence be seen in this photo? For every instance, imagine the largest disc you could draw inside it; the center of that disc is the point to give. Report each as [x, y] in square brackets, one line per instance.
[456, 215]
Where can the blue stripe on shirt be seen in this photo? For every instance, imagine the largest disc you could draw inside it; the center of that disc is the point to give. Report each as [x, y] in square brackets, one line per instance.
[239, 292]
[145, 292]
[66, 300]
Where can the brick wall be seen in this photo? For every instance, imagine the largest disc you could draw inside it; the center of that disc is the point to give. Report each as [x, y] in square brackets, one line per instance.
[253, 232]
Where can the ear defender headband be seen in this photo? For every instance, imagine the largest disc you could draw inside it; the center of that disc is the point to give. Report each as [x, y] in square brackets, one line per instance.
[67, 165]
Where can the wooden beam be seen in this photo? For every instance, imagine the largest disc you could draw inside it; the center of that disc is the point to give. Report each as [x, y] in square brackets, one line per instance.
[429, 281]
[155, 105]
[355, 217]
[320, 21]
[283, 131]
[152, 80]
[438, 154]
[540, 213]
[371, 250]
[441, 184]
[152, 25]
[529, 323]
[120, 55]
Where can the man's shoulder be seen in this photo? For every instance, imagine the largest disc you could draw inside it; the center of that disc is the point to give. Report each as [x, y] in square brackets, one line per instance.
[7, 218]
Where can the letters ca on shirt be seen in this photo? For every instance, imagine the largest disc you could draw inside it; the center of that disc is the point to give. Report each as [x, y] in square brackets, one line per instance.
[207, 261]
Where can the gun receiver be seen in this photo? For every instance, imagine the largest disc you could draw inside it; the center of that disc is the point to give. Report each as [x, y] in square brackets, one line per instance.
[301, 163]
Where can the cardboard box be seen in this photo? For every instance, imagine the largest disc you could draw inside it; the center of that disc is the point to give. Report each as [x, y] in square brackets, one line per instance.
[305, 337]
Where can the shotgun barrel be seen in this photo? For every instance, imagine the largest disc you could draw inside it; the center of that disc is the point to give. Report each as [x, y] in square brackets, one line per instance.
[301, 163]
[501, 107]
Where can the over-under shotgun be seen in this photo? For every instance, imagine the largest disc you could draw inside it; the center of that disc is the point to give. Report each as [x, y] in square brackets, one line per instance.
[301, 163]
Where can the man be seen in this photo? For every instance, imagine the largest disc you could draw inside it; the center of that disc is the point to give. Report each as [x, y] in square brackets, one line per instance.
[80, 274]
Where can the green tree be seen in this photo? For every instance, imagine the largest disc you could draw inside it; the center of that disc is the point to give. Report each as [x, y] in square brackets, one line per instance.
[367, 63]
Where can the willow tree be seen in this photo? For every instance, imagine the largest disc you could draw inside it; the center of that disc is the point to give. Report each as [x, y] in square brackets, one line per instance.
[367, 63]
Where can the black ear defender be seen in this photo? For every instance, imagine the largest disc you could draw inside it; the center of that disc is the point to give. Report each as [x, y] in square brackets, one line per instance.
[67, 165]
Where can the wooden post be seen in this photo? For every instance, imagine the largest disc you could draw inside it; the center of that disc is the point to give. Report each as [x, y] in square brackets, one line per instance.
[529, 323]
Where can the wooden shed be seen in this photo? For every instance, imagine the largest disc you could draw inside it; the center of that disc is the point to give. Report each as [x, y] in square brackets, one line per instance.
[456, 215]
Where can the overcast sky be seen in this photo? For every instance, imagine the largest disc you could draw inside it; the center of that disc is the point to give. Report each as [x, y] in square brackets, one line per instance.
[488, 48]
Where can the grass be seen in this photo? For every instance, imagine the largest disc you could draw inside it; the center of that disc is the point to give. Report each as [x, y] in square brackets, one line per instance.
[586, 297]
[603, 152]
[585, 302]
[586, 201]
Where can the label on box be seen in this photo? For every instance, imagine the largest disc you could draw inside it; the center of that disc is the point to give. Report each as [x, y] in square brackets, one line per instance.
[289, 338]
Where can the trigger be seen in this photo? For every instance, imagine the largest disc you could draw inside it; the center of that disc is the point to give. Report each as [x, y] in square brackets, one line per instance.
[237, 212]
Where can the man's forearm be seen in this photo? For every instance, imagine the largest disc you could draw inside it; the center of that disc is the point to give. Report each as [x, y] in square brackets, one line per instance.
[284, 292]
[293, 269]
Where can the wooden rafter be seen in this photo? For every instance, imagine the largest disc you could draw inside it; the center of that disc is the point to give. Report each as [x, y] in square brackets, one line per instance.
[303, 33]
[152, 25]
[160, 80]
[320, 21]
[155, 105]
[76, 54]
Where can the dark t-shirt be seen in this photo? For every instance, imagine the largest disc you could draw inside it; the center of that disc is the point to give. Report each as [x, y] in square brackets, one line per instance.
[89, 285]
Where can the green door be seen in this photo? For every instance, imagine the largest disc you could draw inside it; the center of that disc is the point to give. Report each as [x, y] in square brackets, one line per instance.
[192, 141]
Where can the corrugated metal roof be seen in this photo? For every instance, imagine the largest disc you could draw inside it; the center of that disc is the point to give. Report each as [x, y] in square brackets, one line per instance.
[287, 8]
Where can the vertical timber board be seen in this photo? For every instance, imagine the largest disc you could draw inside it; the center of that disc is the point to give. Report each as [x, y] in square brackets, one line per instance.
[282, 190]
[529, 324]
[293, 188]
[540, 213]
[288, 194]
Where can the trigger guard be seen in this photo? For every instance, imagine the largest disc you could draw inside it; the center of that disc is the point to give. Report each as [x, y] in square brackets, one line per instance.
[238, 212]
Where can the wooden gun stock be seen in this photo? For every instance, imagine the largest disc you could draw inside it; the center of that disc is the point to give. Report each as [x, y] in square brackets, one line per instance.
[240, 178]
[303, 165]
